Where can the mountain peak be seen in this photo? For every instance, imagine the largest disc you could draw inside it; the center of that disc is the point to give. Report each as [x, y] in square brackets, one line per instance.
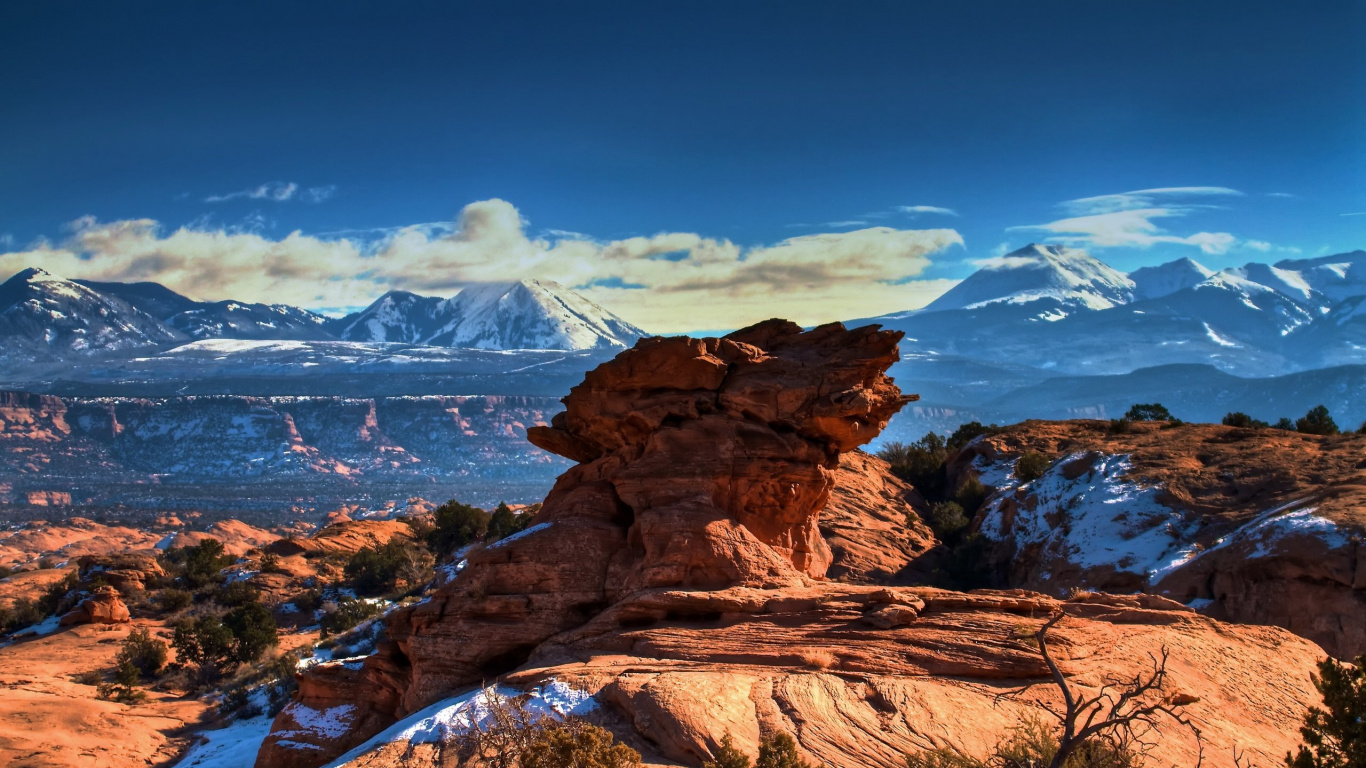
[1037, 271]
[1166, 279]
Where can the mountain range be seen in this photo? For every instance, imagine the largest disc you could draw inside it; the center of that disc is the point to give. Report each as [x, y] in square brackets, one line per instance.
[45, 318]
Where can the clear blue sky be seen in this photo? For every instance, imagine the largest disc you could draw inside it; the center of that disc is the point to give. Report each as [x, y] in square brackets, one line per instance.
[751, 122]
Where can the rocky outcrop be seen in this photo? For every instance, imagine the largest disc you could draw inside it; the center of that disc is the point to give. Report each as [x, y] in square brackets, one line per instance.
[1250, 525]
[343, 538]
[126, 572]
[703, 464]
[102, 606]
[875, 525]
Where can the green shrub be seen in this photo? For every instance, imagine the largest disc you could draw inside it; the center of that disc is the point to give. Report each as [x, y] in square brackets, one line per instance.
[146, 653]
[456, 525]
[391, 566]
[970, 495]
[1285, 423]
[270, 563]
[1032, 745]
[348, 613]
[1240, 419]
[1317, 422]
[1148, 412]
[235, 593]
[947, 519]
[1120, 426]
[504, 522]
[123, 688]
[23, 613]
[308, 601]
[970, 431]
[1335, 734]
[197, 565]
[780, 751]
[172, 600]
[920, 463]
[1031, 466]
[253, 631]
[57, 597]
[578, 746]
[205, 643]
[728, 756]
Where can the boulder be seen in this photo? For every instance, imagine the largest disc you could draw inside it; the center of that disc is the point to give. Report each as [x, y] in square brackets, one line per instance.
[102, 606]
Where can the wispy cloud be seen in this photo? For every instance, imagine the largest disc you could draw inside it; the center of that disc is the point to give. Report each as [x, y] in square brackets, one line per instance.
[1129, 220]
[1356, 213]
[670, 281]
[279, 192]
[916, 209]
[1281, 194]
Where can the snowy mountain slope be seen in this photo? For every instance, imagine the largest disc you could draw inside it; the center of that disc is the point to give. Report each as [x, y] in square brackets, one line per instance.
[215, 319]
[1071, 277]
[46, 317]
[1166, 279]
[1338, 277]
[529, 314]
[397, 316]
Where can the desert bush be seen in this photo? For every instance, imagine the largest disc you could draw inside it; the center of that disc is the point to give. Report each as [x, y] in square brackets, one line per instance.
[58, 596]
[969, 564]
[196, 565]
[970, 431]
[456, 525]
[727, 756]
[147, 654]
[920, 463]
[1120, 426]
[511, 736]
[776, 751]
[235, 593]
[5, 572]
[1148, 412]
[253, 631]
[1285, 423]
[90, 677]
[348, 613]
[1031, 745]
[1317, 422]
[270, 563]
[947, 519]
[308, 601]
[23, 613]
[172, 599]
[123, 688]
[394, 566]
[1335, 734]
[1240, 419]
[970, 495]
[504, 522]
[1031, 466]
[205, 643]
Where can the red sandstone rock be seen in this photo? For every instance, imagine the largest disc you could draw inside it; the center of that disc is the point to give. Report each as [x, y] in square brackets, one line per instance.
[704, 464]
[103, 606]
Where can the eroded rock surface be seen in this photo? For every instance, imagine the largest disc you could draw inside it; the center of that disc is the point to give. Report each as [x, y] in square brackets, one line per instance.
[703, 464]
[1250, 525]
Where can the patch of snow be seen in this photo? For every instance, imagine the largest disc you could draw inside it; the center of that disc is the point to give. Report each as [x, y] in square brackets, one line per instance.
[1217, 339]
[520, 535]
[1200, 603]
[166, 542]
[459, 714]
[232, 747]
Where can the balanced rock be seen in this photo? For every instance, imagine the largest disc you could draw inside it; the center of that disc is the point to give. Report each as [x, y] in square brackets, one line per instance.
[102, 606]
[704, 464]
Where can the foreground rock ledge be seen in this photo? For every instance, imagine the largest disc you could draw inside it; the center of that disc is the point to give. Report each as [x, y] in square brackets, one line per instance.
[677, 573]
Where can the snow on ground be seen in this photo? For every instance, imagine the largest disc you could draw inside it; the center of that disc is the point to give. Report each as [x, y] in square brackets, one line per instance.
[456, 715]
[1105, 518]
[520, 535]
[232, 747]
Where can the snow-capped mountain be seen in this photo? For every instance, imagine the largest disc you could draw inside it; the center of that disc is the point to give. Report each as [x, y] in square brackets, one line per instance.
[397, 316]
[1070, 277]
[43, 316]
[529, 314]
[1166, 279]
[1337, 277]
[216, 319]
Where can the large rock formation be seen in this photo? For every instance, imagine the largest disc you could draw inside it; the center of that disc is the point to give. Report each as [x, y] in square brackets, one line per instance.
[703, 464]
[102, 606]
[1250, 525]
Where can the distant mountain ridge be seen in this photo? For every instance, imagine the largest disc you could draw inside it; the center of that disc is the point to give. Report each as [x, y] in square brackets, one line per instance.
[48, 318]
[1064, 311]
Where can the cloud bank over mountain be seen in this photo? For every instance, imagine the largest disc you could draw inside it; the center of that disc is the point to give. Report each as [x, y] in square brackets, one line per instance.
[668, 281]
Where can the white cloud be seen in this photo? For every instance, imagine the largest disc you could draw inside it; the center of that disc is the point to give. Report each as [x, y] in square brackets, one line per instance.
[1356, 213]
[690, 281]
[1281, 194]
[913, 209]
[1129, 220]
[1005, 262]
[279, 192]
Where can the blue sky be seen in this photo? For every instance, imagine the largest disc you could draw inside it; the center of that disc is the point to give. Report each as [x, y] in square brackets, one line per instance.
[747, 124]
